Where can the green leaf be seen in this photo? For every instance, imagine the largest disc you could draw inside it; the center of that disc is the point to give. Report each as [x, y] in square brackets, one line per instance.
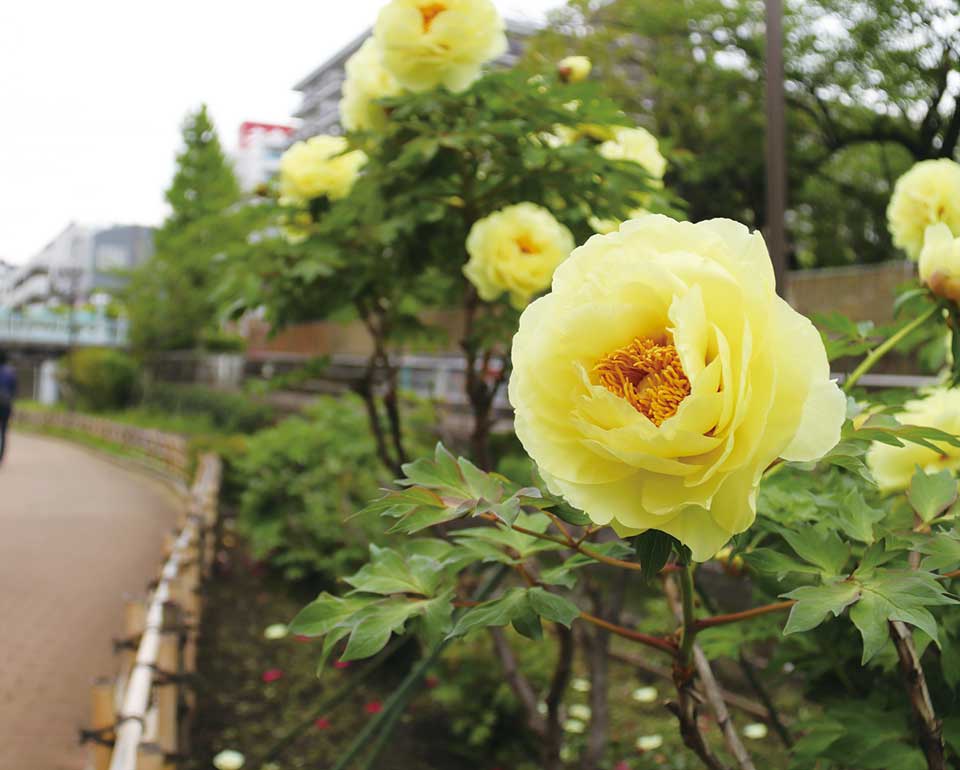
[857, 518]
[770, 562]
[571, 515]
[373, 626]
[390, 572]
[325, 612]
[869, 615]
[496, 612]
[553, 607]
[527, 622]
[941, 549]
[653, 549]
[815, 603]
[823, 549]
[931, 495]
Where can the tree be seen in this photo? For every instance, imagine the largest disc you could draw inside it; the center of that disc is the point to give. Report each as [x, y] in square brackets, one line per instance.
[171, 297]
[868, 86]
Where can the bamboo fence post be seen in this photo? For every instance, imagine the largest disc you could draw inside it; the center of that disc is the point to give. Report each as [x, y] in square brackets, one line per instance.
[167, 689]
[103, 717]
[151, 756]
[134, 619]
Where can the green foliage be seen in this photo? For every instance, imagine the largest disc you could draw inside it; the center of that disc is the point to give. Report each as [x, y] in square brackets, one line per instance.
[100, 379]
[170, 299]
[396, 244]
[302, 479]
[227, 411]
[867, 96]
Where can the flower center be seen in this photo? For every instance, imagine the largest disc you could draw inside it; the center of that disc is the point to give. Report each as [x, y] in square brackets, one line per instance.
[648, 374]
[430, 12]
[526, 244]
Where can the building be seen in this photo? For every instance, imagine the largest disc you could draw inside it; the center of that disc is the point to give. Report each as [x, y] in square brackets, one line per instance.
[79, 263]
[319, 107]
[259, 147]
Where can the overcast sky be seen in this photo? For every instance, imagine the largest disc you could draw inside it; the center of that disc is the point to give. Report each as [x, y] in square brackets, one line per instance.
[92, 93]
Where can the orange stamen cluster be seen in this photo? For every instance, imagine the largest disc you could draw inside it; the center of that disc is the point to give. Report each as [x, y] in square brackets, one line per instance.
[648, 374]
[430, 12]
[526, 244]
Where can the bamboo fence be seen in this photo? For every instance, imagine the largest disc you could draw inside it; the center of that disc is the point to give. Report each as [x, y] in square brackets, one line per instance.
[139, 717]
[169, 450]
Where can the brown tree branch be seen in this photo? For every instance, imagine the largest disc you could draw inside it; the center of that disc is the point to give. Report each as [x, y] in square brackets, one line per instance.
[710, 687]
[518, 683]
[558, 685]
[929, 727]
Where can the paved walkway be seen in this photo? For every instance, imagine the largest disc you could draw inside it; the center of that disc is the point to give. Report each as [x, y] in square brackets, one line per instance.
[77, 533]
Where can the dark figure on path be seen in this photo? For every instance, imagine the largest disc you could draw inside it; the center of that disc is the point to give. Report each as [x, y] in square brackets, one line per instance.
[8, 389]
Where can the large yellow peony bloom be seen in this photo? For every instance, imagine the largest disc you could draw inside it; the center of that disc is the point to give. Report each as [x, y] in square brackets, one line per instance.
[928, 193]
[893, 467]
[516, 250]
[663, 374]
[367, 80]
[319, 166]
[638, 145]
[426, 43]
[940, 262]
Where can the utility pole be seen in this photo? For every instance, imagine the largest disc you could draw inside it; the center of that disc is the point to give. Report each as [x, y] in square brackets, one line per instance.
[776, 145]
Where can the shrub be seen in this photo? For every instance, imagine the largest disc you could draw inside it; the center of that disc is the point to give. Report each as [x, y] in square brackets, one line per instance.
[303, 478]
[228, 411]
[100, 379]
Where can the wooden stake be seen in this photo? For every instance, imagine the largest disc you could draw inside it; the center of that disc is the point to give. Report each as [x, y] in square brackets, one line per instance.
[103, 717]
[168, 662]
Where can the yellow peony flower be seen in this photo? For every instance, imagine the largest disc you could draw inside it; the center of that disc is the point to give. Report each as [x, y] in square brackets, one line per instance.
[940, 262]
[319, 166]
[516, 250]
[928, 193]
[426, 43]
[638, 145]
[367, 80]
[662, 375]
[893, 467]
[574, 69]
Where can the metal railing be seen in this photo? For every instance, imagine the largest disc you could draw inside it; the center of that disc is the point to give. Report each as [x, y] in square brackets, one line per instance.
[59, 331]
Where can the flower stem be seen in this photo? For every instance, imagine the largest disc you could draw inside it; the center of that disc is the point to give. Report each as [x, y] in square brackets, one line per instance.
[884, 347]
[685, 653]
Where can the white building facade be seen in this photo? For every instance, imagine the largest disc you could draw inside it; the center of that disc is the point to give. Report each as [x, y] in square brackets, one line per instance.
[80, 262]
[259, 148]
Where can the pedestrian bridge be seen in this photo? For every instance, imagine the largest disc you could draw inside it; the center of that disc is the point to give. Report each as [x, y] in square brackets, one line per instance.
[47, 329]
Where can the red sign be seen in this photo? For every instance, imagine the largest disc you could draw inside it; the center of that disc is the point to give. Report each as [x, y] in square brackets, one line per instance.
[249, 129]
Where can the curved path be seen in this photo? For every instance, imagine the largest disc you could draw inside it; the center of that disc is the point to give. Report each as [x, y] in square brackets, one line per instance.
[77, 534]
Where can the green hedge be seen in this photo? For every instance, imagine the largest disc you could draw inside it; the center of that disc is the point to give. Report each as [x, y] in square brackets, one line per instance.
[227, 411]
[100, 379]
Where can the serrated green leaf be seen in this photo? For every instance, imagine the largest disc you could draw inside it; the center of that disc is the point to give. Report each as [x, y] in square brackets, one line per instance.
[815, 603]
[941, 549]
[869, 615]
[373, 626]
[931, 494]
[390, 572]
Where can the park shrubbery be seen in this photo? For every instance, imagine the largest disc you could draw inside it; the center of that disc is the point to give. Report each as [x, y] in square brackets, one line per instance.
[100, 379]
[301, 481]
[227, 411]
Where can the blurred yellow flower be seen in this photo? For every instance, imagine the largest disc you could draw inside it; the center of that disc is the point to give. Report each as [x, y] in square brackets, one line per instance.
[229, 760]
[516, 250]
[319, 166]
[367, 80]
[940, 262]
[574, 69]
[426, 43]
[638, 145]
[662, 375]
[927, 194]
[893, 467]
